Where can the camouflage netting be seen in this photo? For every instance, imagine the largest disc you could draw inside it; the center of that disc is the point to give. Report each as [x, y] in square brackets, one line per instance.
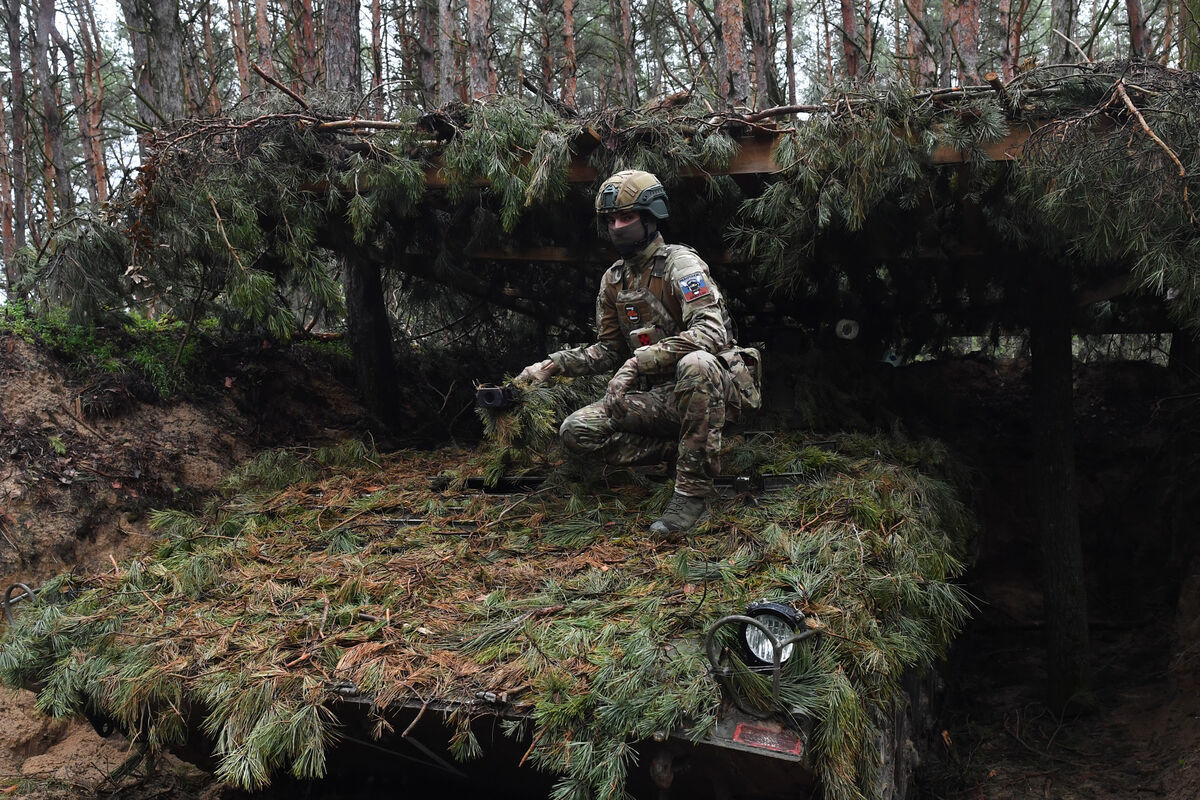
[318, 571]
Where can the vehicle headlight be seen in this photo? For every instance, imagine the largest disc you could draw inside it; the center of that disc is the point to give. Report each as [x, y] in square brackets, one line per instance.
[775, 624]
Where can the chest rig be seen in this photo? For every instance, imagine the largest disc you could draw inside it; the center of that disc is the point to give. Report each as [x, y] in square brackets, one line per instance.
[642, 312]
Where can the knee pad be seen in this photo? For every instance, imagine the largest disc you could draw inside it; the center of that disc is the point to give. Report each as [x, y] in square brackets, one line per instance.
[573, 433]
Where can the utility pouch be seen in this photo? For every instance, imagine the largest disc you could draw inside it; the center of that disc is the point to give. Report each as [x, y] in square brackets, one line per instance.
[745, 370]
[642, 337]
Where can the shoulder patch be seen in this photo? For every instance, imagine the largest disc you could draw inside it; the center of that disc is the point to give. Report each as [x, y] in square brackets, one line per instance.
[694, 286]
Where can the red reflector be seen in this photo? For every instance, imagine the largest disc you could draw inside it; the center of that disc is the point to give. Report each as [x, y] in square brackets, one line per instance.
[764, 738]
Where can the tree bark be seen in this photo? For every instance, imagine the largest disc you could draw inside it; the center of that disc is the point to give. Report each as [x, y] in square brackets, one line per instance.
[828, 43]
[56, 171]
[20, 124]
[241, 58]
[789, 13]
[1062, 19]
[920, 64]
[850, 53]
[262, 37]
[1189, 35]
[343, 67]
[212, 98]
[81, 111]
[762, 46]
[963, 18]
[624, 58]
[447, 34]
[368, 327]
[1139, 34]
[377, 57]
[369, 331]
[157, 43]
[479, 13]
[1064, 593]
[307, 35]
[732, 32]
[8, 244]
[427, 34]
[546, 49]
[570, 63]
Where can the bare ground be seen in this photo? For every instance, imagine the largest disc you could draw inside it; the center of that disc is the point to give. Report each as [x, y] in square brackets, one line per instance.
[76, 488]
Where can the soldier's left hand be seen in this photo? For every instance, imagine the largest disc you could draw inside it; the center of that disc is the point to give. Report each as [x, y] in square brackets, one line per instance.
[621, 383]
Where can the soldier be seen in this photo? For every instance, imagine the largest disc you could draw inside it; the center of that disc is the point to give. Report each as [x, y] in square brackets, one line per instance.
[681, 377]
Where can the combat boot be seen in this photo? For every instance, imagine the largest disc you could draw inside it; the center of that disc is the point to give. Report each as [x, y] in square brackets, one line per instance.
[681, 516]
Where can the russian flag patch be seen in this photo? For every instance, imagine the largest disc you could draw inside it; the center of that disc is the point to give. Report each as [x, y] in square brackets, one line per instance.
[694, 287]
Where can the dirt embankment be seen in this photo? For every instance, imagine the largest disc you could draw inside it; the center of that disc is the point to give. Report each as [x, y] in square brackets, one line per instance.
[82, 464]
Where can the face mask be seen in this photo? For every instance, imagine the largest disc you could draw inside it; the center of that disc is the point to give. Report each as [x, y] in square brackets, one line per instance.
[631, 238]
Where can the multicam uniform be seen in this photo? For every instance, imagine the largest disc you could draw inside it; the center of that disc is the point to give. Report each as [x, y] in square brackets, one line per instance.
[662, 305]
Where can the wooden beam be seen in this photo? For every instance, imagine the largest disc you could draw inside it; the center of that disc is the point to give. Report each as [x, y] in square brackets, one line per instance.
[756, 156]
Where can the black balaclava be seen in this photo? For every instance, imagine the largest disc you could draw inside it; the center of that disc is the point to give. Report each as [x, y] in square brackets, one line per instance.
[632, 238]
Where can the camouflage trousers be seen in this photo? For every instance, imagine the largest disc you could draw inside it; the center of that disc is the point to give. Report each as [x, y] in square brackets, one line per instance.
[684, 417]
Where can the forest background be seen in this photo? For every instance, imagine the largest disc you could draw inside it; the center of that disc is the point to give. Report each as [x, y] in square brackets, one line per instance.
[81, 82]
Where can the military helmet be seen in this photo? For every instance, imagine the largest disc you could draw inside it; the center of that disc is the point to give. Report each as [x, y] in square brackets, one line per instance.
[632, 190]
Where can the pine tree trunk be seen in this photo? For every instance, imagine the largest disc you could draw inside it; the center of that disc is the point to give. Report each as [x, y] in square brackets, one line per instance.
[1064, 593]
[851, 61]
[626, 59]
[479, 14]
[262, 37]
[546, 81]
[368, 327]
[93, 89]
[1062, 19]
[212, 98]
[1189, 35]
[56, 172]
[343, 68]
[81, 114]
[964, 33]
[733, 33]
[237, 33]
[377, 57]
[766, 80]
[789, 13]
[8, 244]
[12, 24]
[828, 43]
[157, 43]
[447, 30]
[427, 34]
[370, 336]
[1139, 35]
[570, 64]
[307, 35]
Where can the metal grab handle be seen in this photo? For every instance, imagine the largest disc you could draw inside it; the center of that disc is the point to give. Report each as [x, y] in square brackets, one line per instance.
[777, 646]
[9, 599]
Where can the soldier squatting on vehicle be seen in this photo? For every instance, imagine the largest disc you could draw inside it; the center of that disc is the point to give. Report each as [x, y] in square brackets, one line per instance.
[681, 375]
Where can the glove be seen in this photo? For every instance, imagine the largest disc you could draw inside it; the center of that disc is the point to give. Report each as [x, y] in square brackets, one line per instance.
[622, 382]
[537, 373]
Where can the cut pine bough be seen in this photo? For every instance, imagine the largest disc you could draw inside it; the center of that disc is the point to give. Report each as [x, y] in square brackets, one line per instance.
[329, 603]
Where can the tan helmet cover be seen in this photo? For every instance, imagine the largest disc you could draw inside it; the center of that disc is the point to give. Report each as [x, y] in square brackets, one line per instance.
[632, 190]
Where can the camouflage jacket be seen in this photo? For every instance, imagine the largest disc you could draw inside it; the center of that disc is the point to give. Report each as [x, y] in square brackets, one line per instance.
[659, 305]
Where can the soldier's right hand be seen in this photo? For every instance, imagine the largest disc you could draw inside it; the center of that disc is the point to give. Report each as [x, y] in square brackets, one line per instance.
[536, 374]
[621, 382]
